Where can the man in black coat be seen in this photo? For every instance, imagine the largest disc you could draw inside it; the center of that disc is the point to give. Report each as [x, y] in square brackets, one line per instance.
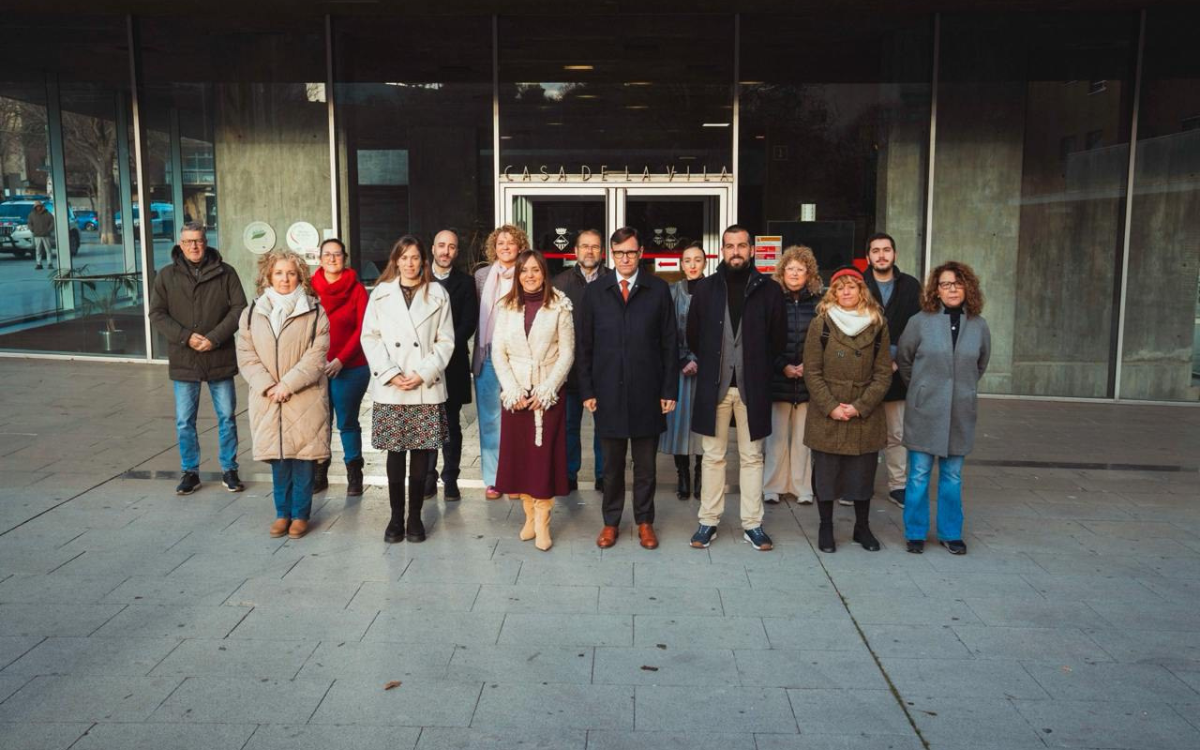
[573, 282]
[195, 305]
[464, 309]
[628, 378]
[900, 297]
[736, 327]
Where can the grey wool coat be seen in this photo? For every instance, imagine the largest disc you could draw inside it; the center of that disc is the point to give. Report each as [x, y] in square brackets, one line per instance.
[943, 380]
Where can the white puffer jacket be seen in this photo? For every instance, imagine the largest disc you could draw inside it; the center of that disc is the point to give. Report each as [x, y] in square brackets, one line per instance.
[398, 339]
[538, 364]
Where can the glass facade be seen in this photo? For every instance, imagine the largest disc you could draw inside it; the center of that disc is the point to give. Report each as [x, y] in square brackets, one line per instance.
[1064, 164]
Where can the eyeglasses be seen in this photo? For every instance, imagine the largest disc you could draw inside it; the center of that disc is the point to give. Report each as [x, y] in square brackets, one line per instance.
[946, 286]
[331, 255]
[625, 253]
[192, 242]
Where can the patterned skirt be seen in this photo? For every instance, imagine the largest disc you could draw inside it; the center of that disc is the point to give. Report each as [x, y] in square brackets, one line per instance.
[404, 427]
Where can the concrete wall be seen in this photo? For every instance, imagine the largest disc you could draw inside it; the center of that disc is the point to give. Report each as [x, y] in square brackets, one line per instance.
[272, 164]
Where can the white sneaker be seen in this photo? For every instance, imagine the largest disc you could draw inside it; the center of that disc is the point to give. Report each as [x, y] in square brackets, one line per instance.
[806, 500]
[771, 497]
[847, 503]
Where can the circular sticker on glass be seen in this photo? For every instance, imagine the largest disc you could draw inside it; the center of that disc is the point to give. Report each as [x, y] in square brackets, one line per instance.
[303, 237]
[259, 237]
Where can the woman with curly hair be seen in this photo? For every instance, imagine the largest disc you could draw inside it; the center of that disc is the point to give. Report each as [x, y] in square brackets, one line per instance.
[533, 347]
[492, 283]
[847, 369]
[788, 461]
[942, 355]
[281, 350]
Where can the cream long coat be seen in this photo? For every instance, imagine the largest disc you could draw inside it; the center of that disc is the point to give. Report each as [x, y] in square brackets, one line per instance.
[399, 339]
[537, 364]
[299, 427]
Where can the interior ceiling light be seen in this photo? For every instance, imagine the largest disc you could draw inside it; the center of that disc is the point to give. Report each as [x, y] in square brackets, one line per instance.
[752, 83]
[579, 67]
[637, 106]
[715, 125]
[638, 83]
[586, 96]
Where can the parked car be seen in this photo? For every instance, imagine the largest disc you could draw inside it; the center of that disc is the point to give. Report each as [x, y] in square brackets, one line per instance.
[15, 237]
[162, 219]
[87, 221]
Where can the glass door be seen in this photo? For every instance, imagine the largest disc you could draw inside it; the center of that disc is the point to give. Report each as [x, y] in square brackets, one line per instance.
[670, 221]
[552, 222]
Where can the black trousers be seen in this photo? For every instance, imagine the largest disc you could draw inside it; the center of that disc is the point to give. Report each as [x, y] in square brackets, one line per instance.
[416, 484]
[645, 453]
[452, 451]
[847, 477]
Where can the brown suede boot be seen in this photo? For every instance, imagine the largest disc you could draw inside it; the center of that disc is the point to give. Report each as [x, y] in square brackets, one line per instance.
[298, 528]
[527, 531]
[541, 523]
[280, 527]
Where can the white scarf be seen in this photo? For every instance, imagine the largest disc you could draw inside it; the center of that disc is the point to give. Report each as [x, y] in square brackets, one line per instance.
[849, 322]
[499, 282]
[279, 307]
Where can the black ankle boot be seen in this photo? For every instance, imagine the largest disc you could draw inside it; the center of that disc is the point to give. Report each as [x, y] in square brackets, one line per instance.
[683, 490]
[862, 526]
[696, 483]
[394, 531]
[321, 476]
[354, 477]
[825, 541]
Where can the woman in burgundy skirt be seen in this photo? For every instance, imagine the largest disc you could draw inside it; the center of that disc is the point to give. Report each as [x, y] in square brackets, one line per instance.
[532, 350]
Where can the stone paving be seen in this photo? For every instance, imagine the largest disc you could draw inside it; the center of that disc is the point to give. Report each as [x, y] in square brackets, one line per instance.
[131, 618]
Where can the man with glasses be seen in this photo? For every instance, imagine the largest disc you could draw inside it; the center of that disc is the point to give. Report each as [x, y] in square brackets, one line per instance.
[464, 309]
[737, 325]
[589, 266]
[900, 297]
[628, 379]
[195, 306]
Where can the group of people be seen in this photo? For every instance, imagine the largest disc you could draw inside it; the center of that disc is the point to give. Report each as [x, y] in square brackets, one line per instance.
[886, 363]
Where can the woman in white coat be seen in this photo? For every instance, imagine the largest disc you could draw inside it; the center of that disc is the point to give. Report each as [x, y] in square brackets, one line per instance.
[532, 351]
[408, 337]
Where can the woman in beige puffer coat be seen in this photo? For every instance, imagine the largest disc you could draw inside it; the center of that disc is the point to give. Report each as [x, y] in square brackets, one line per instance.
[281, 349]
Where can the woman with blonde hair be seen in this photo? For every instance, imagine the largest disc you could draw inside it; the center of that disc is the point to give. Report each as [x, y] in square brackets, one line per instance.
[492, 283]
[847, 370]
[408, 337]
[281, 352]
[787, 461]
[943, 353]
[533, 347]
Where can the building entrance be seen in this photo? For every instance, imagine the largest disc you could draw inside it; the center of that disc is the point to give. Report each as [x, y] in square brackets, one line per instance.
[668, 219]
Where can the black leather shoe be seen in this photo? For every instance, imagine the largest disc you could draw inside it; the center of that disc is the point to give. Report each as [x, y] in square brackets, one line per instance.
[863, 536]
[956, 547]
[916, 546]
[394, 532]
[320, 476]
[600, 485]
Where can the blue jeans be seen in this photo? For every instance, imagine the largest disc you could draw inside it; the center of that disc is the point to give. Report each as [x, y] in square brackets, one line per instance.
[916, 497]
[346, 395]
[487, 407]
[575, 442]
[293, 480]
[187, 403]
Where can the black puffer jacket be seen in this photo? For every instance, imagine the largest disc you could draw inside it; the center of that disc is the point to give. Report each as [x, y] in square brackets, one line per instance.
[209, 302]
[801, 309]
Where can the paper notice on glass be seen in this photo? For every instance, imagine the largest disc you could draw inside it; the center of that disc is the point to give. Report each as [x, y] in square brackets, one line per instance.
[767, 250]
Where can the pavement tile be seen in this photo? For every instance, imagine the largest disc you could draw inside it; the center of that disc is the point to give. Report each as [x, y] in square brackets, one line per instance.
[253, 700]
[12, 647]
[700, 632]
[271, 593]
[579, 572]
[915, 641]
[376, 660]
[303, 624]
[606, 740]
[809, 604]
[55, 619]
[441, 738]
[173, 590]
[93, 656]
[961, 679]
[29, 736]
[976, 722]
[837, 742]
[515, 706]
[1110, 725]
[1133, 615]
[416, 702]
[437, 628]
[436, 597]
[919, 611]
[725, 709]
[867, 712]
[314, 737]
[809, 669]
[450, 570]
[529, 662]
[11, 683]
[233, 657]
[87, 698]
[57, 588]
[567, 630]
[172, 621]
[108, 564]
[1167, 647]
[812, 635]
[214, 565]
[642, 600]
[1134, 683]
[537, 598]
[1033, 613]
[166, 737]
[667, 575]
[670, 666]
[1034, 644]
[959, 585]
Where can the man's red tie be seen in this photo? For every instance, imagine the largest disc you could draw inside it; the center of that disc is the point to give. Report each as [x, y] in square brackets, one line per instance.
[625, 289]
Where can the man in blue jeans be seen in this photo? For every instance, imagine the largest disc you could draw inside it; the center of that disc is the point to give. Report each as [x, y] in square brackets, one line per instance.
[195, 305]
[589, 266]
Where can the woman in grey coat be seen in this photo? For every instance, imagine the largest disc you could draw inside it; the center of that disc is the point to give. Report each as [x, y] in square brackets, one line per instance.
[941, 356]
[679, 440]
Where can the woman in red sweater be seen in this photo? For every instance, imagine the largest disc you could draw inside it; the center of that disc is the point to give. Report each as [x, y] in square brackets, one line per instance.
[345, 302]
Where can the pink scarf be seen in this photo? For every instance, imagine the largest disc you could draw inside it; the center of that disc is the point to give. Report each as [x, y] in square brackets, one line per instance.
[499, 282]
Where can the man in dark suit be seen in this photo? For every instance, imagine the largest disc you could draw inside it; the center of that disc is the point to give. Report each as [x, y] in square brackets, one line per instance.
[464, 308]
[573, 282]
[628, 378]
